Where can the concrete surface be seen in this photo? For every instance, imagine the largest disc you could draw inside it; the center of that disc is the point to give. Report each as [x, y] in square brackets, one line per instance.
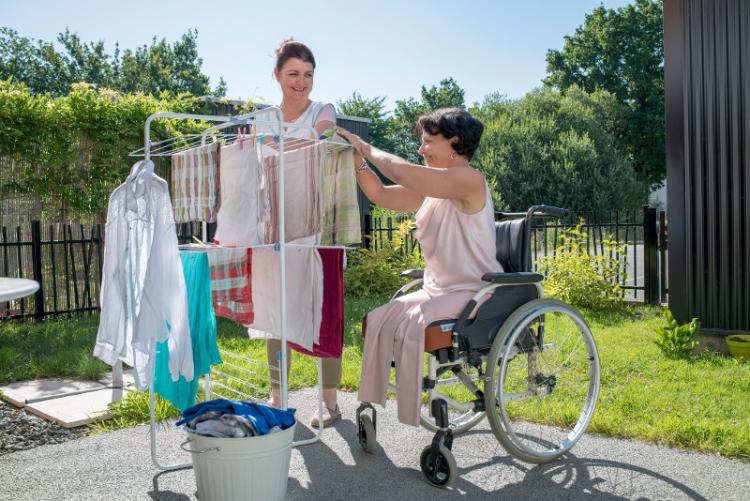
[117, 466]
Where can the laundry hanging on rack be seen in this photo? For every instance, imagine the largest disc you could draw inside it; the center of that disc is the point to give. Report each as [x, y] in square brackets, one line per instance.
[331, 339]
[303, 210]
[143, 294]
[304, 295]
[195, 184]
[181, 393]
[231, 283]
[341, 220]
[242, 205]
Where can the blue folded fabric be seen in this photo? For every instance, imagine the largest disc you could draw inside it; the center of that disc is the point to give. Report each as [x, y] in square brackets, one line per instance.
[262, 416]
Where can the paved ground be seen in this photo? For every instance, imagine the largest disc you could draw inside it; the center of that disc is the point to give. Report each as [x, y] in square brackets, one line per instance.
[117, 466]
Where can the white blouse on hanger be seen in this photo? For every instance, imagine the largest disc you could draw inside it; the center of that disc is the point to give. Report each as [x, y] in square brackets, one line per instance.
[143, 295]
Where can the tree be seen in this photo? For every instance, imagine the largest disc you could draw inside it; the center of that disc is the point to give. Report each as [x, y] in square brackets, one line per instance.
[622, 51]
[556, 149]
[446, 94]
[358, 106]
[152, 69]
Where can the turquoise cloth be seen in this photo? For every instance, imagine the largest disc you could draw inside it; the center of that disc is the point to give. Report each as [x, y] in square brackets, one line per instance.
[202, 335]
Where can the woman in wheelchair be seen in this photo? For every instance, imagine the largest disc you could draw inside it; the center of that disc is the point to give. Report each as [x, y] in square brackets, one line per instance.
[456, 231]
[529, 363]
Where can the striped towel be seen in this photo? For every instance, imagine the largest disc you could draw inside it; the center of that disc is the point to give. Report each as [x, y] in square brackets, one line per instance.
[341, 220]
[195, 184]
[303, 212]
[231, 283]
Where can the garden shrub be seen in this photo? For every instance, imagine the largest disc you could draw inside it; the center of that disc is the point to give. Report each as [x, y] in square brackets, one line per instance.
[674, 340]
[371, 271]
[581, 279]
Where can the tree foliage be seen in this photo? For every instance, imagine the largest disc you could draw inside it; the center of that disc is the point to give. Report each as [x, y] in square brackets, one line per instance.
[405, 144]
[622, 51]
[556, 149]
[151, 69]
[394, 132]
[374, 109]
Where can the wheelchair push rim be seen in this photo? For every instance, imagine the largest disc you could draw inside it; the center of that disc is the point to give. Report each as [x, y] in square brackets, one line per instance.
[541, 391]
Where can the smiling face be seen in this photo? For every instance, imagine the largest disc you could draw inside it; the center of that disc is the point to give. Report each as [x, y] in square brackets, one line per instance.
[295, 79]
[437, 150]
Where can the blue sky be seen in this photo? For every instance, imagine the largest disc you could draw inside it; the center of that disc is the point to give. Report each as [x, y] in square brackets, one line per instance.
[385, 48]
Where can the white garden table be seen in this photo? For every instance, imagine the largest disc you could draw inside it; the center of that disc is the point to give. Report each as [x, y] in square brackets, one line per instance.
[16, 288]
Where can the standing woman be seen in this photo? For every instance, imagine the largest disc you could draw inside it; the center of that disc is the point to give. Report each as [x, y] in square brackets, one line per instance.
[295, 70]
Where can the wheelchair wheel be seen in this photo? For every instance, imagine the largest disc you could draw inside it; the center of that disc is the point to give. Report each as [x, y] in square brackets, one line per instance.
[461, 413]
[440, 471]
[367, 437]
[542, 380]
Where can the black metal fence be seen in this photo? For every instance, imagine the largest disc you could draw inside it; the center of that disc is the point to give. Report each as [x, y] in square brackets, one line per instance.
[644, 234]
[66, 260]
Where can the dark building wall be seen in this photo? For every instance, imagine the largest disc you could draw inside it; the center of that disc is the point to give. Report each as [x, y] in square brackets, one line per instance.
[707, 83]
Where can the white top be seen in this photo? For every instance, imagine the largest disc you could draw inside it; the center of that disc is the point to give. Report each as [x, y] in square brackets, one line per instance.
[16, 288]
[143, 296]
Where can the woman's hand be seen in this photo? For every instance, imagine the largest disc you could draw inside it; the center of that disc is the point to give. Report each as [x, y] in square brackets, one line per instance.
[356, 141]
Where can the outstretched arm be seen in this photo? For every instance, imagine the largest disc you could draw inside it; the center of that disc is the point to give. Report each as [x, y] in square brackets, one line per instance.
[461, 183]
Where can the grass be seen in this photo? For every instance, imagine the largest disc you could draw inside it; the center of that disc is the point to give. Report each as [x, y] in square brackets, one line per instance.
[54, 348]
[699, 404]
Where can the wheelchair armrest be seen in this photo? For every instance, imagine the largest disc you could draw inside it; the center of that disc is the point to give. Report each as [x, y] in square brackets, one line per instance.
[413, 273]
[521, 277]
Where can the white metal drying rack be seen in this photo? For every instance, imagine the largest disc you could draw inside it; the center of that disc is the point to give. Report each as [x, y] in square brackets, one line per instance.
[164, 148]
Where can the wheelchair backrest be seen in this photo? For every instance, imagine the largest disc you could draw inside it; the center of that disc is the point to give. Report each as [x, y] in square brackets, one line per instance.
[511, 245]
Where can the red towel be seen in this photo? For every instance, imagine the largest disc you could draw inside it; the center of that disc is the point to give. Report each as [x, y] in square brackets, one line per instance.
[332, 324]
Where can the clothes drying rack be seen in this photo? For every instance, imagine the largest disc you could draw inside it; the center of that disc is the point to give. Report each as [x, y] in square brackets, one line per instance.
[175, 145]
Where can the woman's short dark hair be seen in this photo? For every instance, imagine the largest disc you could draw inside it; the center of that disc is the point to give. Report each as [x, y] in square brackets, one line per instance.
[450, 123]
[290, 48]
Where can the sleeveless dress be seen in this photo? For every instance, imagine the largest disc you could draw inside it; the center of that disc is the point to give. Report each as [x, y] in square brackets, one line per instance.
[458, 248]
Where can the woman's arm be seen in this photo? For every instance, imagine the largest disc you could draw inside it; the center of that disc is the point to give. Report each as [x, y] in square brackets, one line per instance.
[326, 119]
[460, 183]
[393, 197]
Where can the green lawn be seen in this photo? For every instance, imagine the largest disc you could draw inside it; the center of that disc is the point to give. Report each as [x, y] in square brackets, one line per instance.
[700, 404]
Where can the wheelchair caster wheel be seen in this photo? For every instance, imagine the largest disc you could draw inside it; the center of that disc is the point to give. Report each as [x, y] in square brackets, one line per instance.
[439, 469]
[367, 437]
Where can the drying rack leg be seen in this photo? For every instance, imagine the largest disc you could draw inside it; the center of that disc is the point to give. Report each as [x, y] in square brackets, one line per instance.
[152, 417]
[319, 432]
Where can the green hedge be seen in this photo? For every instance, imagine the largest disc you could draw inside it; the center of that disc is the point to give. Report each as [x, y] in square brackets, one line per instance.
[71, 152]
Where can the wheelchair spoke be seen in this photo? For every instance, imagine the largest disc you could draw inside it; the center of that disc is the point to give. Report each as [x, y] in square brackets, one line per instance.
[543, 399]
[457, 391]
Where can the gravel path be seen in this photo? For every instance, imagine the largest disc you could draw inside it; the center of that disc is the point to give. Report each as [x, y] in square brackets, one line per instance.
[20, 430]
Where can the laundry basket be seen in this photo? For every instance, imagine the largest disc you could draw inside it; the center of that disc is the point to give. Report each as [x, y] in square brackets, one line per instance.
[241, 469]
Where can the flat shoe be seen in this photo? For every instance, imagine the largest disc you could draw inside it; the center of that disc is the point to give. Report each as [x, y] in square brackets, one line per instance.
[330, 416]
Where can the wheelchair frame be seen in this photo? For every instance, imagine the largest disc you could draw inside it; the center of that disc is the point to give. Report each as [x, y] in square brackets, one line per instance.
[489, 345]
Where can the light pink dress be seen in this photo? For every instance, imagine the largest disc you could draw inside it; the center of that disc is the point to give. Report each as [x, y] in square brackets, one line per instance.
[458, 248]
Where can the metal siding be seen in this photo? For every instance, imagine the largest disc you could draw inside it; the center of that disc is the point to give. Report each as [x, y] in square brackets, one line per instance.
[677, 156]
[707, 82]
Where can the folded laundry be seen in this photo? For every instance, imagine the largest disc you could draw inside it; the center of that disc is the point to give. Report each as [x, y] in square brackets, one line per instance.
[261, 418]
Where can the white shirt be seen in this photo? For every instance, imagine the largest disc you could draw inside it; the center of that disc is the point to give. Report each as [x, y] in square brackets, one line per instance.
[143, 295]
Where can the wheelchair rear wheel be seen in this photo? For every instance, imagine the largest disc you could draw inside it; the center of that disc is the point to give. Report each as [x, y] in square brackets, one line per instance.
[542, 380]
[462, 416]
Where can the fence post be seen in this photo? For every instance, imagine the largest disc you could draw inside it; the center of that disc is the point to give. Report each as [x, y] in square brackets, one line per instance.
[367, 233]
[650, 263]
[663, 255]
[36, 259]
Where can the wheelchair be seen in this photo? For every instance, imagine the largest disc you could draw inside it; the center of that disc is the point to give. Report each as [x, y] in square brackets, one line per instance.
[527, 363]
